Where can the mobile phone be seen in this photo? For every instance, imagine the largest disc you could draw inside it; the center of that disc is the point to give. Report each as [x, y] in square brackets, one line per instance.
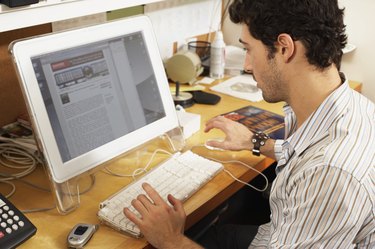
[81, 234]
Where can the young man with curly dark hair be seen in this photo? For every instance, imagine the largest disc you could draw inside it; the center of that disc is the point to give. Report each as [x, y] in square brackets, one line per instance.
[324, 192]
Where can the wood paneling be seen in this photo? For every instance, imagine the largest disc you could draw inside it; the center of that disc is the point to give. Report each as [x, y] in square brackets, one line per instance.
[12, 103]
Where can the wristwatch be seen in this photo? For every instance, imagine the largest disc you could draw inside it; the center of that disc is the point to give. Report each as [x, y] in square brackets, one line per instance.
[259, 139]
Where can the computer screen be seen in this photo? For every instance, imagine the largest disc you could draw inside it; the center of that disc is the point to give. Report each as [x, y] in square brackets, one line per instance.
[94, 93]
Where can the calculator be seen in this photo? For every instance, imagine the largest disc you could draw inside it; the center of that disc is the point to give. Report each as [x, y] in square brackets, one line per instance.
[15, 228]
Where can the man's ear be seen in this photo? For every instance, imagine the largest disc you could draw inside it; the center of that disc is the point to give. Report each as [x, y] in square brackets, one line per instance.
[286, 46]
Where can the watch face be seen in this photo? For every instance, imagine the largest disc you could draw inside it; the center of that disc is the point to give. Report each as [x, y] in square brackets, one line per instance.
[259, 139]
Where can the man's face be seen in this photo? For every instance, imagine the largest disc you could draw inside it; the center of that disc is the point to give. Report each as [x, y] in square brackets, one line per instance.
[264, 68]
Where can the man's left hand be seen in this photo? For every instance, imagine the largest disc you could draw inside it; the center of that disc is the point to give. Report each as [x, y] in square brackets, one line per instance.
[161, 224]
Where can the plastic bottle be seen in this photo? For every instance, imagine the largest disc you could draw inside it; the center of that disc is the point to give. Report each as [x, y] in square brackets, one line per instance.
[217, 57]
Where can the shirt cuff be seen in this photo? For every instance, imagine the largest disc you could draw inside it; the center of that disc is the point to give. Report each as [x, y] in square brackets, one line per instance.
[278, 148]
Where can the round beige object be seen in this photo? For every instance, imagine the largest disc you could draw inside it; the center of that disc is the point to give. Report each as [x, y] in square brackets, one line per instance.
[184, 67]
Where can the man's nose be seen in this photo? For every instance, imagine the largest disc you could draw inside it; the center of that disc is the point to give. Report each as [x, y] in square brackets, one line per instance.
[248, 68]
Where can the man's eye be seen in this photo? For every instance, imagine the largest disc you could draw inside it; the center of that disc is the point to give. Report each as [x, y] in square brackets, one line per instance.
[247, 50]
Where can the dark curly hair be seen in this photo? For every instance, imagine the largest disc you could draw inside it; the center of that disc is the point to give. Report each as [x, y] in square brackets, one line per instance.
[318, 24]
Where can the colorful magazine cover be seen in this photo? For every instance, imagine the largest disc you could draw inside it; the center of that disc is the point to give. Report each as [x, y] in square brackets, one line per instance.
[257, 119]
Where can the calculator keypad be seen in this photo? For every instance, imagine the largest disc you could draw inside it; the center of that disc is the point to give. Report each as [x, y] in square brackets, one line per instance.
[15, 228]
[9, 222]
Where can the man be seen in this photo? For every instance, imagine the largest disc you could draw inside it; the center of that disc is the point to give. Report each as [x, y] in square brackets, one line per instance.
[324, 194]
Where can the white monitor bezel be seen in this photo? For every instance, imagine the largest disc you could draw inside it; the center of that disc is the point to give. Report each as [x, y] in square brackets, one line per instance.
[22, 52]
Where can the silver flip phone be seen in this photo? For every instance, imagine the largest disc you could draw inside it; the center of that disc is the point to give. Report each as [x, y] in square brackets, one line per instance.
[81, 234]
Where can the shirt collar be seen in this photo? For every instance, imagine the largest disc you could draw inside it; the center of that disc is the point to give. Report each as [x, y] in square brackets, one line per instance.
[317, 125]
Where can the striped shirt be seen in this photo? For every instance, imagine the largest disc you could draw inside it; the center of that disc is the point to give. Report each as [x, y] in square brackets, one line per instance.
[324, 192]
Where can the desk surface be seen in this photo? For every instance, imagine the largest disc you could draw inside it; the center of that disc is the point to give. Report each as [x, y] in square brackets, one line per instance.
[53, 228]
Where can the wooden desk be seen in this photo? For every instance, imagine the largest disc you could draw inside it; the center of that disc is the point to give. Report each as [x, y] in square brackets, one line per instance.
[53, 228]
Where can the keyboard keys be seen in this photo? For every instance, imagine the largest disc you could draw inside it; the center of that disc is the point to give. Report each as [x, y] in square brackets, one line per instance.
[182, 175]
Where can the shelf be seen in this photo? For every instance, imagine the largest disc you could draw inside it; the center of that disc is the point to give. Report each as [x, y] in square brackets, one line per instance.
[349, 48]
[57, 10]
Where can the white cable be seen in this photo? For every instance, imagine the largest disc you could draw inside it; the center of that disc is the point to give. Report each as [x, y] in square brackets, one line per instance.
[45, 189]
[235, 178]
[12, 190]
[216, 160]
[35, 210]
[144, 169]
[170, 140]
[246, 165]
[16, 157]
[16, 153]
[139, 171]
[19, 158]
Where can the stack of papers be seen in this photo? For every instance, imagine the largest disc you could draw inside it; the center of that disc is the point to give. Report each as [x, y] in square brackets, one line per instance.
[242, 86]
[234, 60]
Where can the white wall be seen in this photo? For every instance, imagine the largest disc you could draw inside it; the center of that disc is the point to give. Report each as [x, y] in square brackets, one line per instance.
[357, 65]
[178, 20]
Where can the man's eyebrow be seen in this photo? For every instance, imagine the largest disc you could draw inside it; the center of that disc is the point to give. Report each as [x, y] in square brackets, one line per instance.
[241, 41]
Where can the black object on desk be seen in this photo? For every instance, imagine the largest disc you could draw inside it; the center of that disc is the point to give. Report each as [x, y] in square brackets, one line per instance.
[17, 3]
[201, 97]
[15, 228]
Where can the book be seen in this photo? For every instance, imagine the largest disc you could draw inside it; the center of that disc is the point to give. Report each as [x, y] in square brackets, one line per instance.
[257, 119]
[15, 130]
[24, 120]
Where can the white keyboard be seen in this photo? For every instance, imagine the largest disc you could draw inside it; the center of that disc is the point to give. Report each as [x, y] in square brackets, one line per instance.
[181, 175]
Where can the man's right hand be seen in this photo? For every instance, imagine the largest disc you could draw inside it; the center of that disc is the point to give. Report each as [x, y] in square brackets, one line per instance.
[237, 135]
[161, 224]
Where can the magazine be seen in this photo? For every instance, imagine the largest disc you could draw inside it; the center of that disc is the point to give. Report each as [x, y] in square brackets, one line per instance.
[257, 119]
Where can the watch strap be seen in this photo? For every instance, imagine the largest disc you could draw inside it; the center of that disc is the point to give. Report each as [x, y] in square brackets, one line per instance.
[259, 139]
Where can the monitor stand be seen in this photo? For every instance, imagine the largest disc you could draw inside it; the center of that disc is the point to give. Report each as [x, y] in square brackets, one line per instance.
[67, 194]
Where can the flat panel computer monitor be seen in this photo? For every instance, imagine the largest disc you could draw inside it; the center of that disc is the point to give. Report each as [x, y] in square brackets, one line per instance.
[94, 93]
